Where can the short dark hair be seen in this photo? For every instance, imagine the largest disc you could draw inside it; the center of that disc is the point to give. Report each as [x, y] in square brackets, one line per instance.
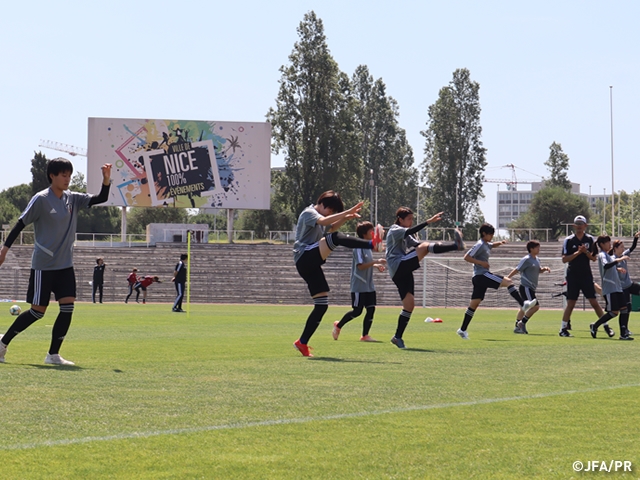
[98, 260]
[403, 212]
[531, 244]
[331, 200]
[487, 228]
[57, 166]
[602, 239]
[363, 228]
[184, 256]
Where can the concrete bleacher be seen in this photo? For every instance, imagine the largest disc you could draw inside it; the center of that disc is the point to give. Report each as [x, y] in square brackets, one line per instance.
[264, 273]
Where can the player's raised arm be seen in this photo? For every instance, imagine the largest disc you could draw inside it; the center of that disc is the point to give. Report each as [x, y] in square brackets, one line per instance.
[103, 196]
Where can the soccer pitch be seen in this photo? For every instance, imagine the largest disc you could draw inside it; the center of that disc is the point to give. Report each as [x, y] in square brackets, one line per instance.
[222, 393]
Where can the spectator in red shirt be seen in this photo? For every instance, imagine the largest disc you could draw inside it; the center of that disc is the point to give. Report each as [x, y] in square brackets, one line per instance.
[143, 283]
[132, 279]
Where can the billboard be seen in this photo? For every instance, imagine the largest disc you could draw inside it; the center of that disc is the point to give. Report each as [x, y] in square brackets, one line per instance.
[183, 163]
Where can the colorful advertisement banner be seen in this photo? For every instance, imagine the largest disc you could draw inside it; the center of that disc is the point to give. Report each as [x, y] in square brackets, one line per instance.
[184, 163]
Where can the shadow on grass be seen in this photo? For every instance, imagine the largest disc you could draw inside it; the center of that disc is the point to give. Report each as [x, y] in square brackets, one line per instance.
[68, 368]
[348, 360]
[423, 350]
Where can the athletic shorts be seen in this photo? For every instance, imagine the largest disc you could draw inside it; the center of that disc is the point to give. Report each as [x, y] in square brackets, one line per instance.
[62, 283]
[615, 301]
[577, 283]
[482, 282]
[527, 293]
[309, 267]
[633, 289]
[363, 299]
[404, 275]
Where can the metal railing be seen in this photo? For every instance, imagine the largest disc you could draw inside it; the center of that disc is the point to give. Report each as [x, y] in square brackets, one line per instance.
[111, 240]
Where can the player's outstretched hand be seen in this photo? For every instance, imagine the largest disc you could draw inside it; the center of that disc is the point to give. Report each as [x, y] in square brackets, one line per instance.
[436, 218]
[356, 208]
[106, 173]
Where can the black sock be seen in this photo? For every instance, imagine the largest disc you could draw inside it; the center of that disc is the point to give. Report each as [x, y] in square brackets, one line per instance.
[338, 238]
[403, 321]
[350, 316]
[623, 321]
[321, 305]
[525, 319]
[368, 321]
[61, 327]
[24, 320]
[468, 315]
[442, 247]
[603, 319]
[513, 291]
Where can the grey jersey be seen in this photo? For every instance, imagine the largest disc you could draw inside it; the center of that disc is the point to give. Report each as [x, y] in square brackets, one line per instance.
[397, 247]
[308, 231]
[362, 280]
[610, 277]
[480, 251]
[529, 268]
[625, 278]
[54, 223]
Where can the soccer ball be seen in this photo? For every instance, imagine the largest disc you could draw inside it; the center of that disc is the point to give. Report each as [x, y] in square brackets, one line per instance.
[15, 310]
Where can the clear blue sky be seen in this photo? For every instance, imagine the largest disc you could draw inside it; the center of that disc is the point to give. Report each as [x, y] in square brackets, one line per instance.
[544, 70]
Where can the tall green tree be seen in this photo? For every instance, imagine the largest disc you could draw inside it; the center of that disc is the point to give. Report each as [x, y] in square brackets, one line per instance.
[39, 173]
[454, 163]
[8, 212]
[18, 195]
[558, 165]
[553, 208]
[313, 122]
[384, 148]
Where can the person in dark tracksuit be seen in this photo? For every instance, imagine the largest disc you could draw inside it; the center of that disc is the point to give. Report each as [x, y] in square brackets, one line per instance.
[180, 279]
[98, 279]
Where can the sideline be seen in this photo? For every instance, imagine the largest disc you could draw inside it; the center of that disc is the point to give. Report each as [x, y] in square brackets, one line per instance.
[289, 421]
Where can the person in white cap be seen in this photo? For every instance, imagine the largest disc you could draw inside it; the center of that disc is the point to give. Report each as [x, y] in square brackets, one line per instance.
[578, 250]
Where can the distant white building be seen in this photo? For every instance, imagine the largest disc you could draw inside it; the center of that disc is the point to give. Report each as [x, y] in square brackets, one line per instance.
[512, 203]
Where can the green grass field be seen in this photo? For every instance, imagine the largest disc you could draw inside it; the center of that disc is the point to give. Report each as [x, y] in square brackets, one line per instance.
[223, 394]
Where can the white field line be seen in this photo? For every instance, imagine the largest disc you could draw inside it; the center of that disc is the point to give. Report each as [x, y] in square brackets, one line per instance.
[288, 421]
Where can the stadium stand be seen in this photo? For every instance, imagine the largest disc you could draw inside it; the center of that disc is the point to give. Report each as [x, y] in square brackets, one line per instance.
[262, 273]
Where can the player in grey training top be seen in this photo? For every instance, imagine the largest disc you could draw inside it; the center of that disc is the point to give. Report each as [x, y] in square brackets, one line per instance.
[611, 288]
[629, 287]
[54, 215]
[484, 279]
[312, 247]
[529, 269]
[363, 292]
[404, 254]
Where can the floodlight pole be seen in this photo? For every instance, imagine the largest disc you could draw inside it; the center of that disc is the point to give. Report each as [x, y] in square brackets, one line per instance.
[613, 194]
[604, 211]
[371, 197]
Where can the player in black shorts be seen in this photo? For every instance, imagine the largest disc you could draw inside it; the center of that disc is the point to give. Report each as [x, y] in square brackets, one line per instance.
[54, 215]
[578, 251]
[316, 238]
